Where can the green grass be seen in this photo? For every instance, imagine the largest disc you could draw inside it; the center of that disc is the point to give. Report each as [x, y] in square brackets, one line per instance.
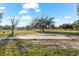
[53, 52]
[26, 48]
[20, 32]
[29, 48]
[17, 32]
[65, 32]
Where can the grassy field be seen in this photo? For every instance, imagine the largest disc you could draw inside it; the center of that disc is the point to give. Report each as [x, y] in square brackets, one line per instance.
[19, 32]
[65, 32]
[29, 48]
[22, 47]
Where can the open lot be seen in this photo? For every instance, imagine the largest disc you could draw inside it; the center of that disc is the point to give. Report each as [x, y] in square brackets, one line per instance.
[44, 47]
[37, 34]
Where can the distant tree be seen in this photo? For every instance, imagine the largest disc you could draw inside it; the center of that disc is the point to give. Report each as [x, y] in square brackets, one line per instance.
[14, 23]
[21, 28]
[66, 26]
[6, 27]
[28, 27]
[1, 27]
[78, 9]
[76, 25]
[1, 16]
[53, 26]
[43, 22]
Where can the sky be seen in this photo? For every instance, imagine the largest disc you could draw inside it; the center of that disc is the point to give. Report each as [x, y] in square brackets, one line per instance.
[26, 12]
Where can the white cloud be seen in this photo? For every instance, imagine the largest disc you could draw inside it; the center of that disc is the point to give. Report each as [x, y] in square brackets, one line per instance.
[58, 19]
[37, 10]
[10, 17]
[26, 17]
[23, 11]
[2, 8]
[0, 11]
[31, 5]
[27, 6]
[75, 18]
[67, 17]
[17, 17]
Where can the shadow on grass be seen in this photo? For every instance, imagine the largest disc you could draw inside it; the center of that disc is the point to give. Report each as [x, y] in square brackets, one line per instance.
[5, 41]
[20, 48]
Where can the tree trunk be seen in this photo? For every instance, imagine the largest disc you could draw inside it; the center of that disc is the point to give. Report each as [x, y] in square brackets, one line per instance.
[42, 29]
[12, 31]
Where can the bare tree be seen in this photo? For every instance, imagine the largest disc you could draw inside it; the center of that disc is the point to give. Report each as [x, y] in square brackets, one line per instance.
[14, 23]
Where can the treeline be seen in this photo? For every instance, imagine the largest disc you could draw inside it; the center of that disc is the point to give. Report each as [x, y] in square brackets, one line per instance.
[45, 22]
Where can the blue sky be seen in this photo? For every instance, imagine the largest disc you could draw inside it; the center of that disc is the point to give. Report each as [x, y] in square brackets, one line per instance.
[26, 12]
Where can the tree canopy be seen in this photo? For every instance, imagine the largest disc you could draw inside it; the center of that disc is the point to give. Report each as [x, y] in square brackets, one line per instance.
[1, 16]
[43, 22]
[76, 24]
